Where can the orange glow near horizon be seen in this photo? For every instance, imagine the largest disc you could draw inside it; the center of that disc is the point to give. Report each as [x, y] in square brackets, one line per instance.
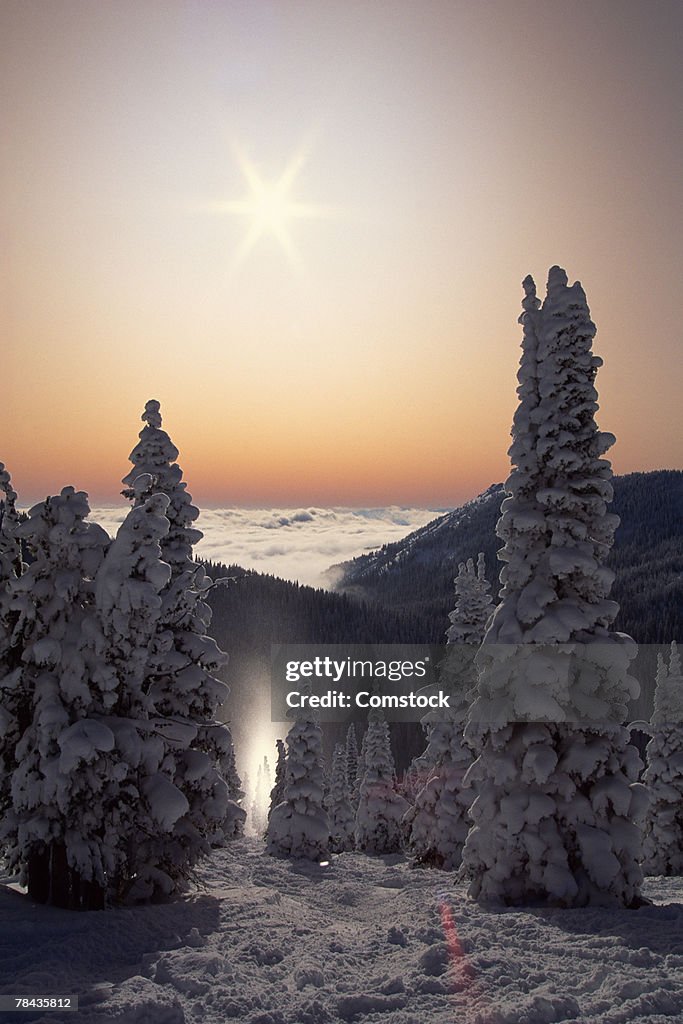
[343, 330]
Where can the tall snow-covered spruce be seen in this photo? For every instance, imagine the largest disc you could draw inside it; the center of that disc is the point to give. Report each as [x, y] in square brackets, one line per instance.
[13, 701]
[277, 793]
[184, 690]
[139, 801]
[558, 812]
[338, 804]
[61, 760]
[439, 820]
[352, 762]
[298, 827]
[260, 805]
[379, 818]
[663, 846]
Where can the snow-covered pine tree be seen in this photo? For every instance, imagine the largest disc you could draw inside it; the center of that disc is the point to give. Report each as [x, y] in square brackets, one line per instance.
[277, 793]
[381, 807]
[338, 804]
[14, 703]
[663, 844]
[184, 689]
[10, 548]
[351, 755]
[360, 771]
[439, 821]
[411, 783]
[468, 620]
[236, 815]
[351, 759]
[557, 814]
[473, 603]
[259, 805]
[248, 796]
[140, 806]
[53, 812]
[155, 455]
[299, 826]
[183, 683]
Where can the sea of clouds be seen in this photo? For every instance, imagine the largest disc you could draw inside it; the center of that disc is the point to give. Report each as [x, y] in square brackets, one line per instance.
[297, 544]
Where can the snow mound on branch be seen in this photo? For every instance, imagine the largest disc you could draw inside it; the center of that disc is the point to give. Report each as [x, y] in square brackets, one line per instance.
[82, 742]
[166, 802]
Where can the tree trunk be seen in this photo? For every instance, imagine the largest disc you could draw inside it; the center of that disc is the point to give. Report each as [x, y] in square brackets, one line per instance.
[91, 896]
[60, 877]
[39, 875]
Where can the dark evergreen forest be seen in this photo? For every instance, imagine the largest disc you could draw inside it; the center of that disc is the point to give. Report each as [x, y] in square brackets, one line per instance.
[415, 575]
[403, 593]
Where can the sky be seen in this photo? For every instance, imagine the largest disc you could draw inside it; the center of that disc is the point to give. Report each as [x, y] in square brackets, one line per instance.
[302, 227]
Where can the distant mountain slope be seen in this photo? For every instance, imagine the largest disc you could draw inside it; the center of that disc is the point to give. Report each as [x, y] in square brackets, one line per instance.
[415, 575]
[256, 610]
[403, 593]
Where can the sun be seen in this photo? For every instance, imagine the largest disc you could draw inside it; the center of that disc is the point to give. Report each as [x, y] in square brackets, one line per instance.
[269, 208]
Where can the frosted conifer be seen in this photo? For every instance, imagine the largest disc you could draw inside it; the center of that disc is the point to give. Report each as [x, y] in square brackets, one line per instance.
[557, 814]
[411, 784]
[259, 806]
[154, 457]
[299, 826]
[50, 831]
[360, 771]
[184, 682]
[277, 793]
[184, 687]
[473, 603]
[10, 548]
[663, 844]
[126, 637]
[235, 815]
[439, 820]
[338, 803]
[381, 807]
[351, 757]
[13, 699]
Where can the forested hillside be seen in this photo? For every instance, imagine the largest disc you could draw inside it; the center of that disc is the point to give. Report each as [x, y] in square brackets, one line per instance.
[404, 592]
[254, 610]
[416, 574]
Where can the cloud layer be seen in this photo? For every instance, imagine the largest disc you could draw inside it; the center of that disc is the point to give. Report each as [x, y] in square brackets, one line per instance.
[298, 544]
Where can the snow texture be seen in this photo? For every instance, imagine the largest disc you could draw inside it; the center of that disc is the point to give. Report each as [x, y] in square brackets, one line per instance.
[558, 813]
[267, 941]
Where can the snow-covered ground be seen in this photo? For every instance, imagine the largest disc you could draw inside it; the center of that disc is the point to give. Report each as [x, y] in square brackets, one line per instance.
[264, 941]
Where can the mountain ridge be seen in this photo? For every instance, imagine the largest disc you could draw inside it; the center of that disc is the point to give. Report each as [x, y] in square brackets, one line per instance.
[416, 574]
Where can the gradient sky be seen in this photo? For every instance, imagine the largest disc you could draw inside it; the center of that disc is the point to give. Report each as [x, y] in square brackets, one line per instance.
[450, 148]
